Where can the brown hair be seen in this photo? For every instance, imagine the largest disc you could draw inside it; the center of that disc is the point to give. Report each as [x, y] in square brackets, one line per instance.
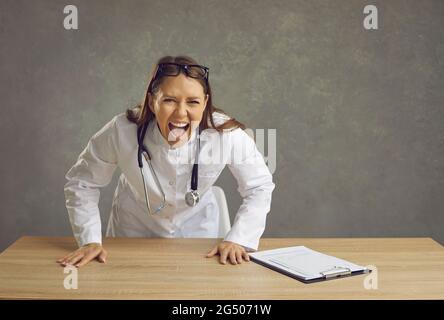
[141, 113]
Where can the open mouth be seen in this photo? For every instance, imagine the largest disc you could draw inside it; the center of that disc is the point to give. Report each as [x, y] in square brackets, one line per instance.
[178, 128]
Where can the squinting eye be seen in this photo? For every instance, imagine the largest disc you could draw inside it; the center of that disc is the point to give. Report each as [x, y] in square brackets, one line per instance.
[195, 102]
[168, 100]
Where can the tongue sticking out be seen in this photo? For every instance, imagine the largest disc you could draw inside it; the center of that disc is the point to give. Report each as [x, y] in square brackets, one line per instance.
[177, 132]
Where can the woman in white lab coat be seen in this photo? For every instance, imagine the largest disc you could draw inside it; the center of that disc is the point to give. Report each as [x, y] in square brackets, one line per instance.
[163, 202]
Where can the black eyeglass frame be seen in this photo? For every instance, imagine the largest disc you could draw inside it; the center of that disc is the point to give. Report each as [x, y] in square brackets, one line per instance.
[184, 67]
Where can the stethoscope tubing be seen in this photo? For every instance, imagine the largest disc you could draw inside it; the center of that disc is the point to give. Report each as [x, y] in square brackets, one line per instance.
[143, 150]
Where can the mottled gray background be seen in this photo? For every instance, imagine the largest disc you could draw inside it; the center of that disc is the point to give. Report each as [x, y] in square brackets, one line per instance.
[359, 114]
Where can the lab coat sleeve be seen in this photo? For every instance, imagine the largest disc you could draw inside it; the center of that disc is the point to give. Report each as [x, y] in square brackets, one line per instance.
[255, 186]
[94, 169]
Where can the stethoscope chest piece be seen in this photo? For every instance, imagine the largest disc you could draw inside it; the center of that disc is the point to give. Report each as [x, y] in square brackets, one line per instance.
[192, 198]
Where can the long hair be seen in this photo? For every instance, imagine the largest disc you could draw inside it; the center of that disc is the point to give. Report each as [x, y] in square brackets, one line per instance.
[141, 113]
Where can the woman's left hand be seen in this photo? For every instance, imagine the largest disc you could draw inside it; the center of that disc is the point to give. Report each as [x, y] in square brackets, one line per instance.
[227, 249]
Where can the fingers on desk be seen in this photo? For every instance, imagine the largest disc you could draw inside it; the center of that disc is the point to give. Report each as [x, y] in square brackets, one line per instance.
[239, 256]
[66, 258]
[212, 252]
[98, 253]
[103, 255]
[81, 257]
[85, 259]
[246, 256]
[224, 255]
[235, 255]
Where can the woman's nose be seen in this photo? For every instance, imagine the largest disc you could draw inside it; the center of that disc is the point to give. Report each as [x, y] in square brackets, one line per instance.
[182, 109]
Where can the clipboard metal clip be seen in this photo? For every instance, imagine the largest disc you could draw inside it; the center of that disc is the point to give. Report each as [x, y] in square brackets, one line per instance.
[336, 272]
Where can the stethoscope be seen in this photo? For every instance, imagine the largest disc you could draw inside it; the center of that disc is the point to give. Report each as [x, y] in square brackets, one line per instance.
[192, 197]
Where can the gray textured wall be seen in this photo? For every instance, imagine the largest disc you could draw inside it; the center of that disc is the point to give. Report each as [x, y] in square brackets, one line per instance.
[359, 114]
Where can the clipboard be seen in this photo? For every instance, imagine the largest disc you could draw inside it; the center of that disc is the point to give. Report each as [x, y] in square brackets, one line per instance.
[306, 265]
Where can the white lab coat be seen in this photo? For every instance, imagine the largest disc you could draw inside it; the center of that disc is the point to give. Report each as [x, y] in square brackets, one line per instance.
[115, 145]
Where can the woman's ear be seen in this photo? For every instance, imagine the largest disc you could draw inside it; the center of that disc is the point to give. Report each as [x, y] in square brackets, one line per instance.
[206, 100]
[151, 102]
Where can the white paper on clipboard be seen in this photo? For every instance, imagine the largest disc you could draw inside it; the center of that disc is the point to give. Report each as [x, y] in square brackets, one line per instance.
[306, 263]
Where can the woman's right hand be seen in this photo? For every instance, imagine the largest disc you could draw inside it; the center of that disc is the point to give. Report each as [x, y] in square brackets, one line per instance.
[84, 254]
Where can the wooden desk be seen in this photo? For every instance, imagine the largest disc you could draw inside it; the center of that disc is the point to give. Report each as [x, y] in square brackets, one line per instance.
[408, 268]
